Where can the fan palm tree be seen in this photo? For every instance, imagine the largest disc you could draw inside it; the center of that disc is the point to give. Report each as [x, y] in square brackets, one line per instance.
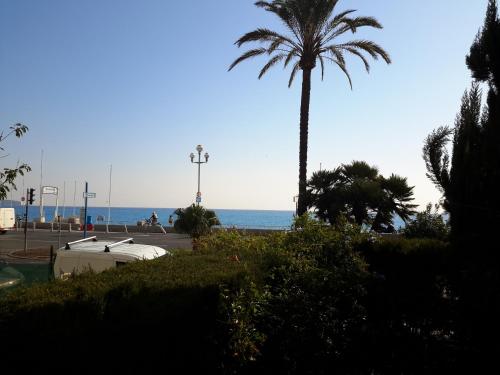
[313, 31]
[359, 193]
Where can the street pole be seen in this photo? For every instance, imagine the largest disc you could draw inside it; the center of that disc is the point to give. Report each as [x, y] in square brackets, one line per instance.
[85, 212]
[59, 235]
[26, 223]
[199, 170]
[199, 149]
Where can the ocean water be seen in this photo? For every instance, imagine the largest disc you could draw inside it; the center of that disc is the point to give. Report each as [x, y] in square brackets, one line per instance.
[246, 219]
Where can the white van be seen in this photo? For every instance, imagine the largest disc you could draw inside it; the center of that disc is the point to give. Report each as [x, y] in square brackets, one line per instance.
[7, 219]
[89, 254]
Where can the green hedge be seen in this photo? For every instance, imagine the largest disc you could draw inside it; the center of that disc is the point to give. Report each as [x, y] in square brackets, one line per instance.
[310, 301]
[166, 311]
[410, 305]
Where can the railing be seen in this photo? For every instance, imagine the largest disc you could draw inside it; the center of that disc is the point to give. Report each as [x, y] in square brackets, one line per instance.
[127, 227]
[120, 227]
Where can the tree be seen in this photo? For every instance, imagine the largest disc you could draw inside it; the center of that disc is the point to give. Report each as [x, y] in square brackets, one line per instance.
[358, 192]
[195, 220]
[484, 63]
[460, 183]
[9, 175]
[313, 31]
[470, 190]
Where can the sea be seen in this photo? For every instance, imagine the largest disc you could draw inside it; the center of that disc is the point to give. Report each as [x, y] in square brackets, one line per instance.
[229, 218]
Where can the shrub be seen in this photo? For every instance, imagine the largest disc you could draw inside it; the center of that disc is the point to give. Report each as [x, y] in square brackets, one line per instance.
[307, 304]
[163, 312]
[301, 302]
[409, 306]
[195, 220]
[427, 224]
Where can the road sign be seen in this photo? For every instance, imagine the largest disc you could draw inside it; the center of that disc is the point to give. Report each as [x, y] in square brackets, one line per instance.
[89, 195]
[49, 190]
[198, 194]
[198, 199]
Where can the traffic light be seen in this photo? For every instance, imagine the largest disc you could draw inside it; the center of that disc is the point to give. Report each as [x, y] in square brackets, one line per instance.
[31, 196]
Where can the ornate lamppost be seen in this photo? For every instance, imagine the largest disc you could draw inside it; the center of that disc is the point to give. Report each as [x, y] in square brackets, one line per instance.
[199, 148]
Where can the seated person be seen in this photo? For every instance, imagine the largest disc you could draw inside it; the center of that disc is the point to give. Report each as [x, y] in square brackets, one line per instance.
[154, 218]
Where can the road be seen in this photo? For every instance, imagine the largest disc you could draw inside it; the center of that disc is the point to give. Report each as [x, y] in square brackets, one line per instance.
[13, 241]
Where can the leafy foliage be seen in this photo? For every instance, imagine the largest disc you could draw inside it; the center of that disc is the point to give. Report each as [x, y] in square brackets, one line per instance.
[461, 183]
[195, 220]
[411, 308]
[359, 193]
[311, 283]
[470, 190]
[125, 313]
[298, 302]
[313, 32]
[9, 175]
[427, 224]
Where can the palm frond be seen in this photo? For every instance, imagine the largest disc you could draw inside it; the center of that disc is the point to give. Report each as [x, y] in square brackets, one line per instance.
[342, 67]
[322, 64]
[370, 47]
[247, 55]
[311, 26]
[360, 55]
[295, 69]
[276, 59]
[336, 53]
[349, 24]
[290, 56]
[337, 20]
[264, 35]
[357, 22]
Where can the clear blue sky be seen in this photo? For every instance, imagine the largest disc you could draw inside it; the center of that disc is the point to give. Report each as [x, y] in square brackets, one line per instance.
[138, 84]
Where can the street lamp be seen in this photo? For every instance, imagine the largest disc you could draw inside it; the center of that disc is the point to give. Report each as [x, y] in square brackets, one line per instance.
[199, 149]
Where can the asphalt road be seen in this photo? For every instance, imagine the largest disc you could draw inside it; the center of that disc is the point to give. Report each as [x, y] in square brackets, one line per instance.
[45, 238]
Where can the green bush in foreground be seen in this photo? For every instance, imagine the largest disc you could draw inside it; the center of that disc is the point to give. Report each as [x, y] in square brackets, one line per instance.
[308, 307]
[410, 306]
[302, 302]
[148, 312]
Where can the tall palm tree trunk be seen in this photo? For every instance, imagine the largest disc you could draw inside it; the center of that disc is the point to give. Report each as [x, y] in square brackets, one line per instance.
[304, 133]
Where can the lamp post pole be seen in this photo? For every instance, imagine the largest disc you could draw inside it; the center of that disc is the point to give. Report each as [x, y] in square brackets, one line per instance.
[199, 149]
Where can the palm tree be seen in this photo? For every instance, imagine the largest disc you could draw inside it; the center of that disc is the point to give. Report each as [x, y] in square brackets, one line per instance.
[359, 193]
[195, 220]
[313, 32]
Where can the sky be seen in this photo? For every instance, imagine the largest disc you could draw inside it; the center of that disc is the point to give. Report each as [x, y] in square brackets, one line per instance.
[137, 84]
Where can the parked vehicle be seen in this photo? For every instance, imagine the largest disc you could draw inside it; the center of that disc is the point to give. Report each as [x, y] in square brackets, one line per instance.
[90, 254]
[7, 220]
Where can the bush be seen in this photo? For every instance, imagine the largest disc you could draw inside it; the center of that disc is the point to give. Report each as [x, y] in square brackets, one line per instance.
[409, 306]
[427, 224]
[164, 312]
[307, 307]
[314, 300]
[195, 220]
